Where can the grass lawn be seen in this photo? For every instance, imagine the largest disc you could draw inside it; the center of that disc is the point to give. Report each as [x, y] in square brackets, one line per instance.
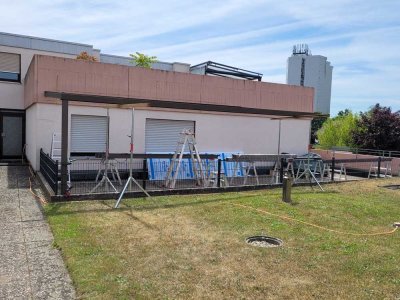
[194, 246]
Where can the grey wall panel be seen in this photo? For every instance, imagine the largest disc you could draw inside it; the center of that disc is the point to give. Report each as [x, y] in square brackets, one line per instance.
[28, 42]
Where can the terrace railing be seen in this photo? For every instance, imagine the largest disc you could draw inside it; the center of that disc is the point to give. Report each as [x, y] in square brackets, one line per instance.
[49, 170]
[150, 171]
[374, 152]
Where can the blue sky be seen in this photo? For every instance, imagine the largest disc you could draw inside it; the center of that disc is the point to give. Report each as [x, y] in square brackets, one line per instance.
[360, 38]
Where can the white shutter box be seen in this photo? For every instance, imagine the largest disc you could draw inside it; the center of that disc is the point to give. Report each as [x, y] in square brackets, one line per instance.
[9, 62]
[163, 135]
[88, 133]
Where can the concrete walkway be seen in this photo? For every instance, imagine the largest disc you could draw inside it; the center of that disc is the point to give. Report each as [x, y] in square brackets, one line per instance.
[30, 267]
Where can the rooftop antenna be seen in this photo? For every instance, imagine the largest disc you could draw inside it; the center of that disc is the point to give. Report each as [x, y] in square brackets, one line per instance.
[301, 49]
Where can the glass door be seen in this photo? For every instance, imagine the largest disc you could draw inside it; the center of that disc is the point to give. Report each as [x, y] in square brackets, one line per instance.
[12, 137]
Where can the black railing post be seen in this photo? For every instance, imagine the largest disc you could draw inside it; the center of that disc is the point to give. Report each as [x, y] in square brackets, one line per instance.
[219, 173]
[144, 173]
[64, 146]
[379, 166]
[281, 170]
[56, 177]
[333, 169]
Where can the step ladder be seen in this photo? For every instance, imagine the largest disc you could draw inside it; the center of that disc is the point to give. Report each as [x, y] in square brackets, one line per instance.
[55, 154]
[343, 171]
[385, 170]
[186, 141]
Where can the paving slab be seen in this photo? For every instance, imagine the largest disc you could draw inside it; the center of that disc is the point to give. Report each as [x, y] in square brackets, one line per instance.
[46, 283]
[36, 231]
[11, 232]
[30, 267]
[13, 287]
[13, 260]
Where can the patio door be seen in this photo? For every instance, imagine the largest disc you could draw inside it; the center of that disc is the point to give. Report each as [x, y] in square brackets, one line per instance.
[12, 134]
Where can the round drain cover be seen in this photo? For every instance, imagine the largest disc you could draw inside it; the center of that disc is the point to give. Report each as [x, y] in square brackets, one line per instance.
[264, 241]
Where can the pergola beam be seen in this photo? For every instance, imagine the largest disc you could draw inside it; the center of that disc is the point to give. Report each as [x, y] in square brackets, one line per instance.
[177, 105]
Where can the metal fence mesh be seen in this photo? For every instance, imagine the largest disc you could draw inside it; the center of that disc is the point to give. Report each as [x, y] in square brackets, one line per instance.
[99, 176]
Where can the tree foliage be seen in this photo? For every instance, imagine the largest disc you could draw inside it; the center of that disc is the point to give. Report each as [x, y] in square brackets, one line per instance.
[379, 128]
[343, 113]
[338, 131]
[142, 60]
[85, 56]
[316, 125]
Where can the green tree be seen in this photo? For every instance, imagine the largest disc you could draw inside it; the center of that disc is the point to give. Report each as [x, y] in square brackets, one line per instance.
[316, 125]
[343, 113]
[378, 128]
[338, 131]
[142, 60]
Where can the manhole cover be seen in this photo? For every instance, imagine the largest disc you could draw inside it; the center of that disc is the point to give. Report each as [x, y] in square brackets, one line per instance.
[392, 187]
[264, 241]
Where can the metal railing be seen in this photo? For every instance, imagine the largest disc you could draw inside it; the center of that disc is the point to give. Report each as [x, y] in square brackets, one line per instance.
[150, 171]
[49, 170]
[374, 152]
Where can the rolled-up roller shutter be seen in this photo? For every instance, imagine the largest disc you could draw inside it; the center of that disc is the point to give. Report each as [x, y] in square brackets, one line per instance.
[10, 66]
[163, 135]
[88, 134]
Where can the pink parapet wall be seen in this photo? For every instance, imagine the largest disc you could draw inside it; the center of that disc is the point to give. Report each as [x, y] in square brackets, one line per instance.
[328, 154]
[48, 73]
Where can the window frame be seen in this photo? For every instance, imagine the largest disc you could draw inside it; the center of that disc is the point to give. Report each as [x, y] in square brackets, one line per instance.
[18, 80]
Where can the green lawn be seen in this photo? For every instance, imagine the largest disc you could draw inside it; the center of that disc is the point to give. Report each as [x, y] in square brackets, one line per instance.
[193, 246]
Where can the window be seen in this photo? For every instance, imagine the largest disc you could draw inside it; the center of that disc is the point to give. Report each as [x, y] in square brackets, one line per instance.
[88, 134]
[10, 67]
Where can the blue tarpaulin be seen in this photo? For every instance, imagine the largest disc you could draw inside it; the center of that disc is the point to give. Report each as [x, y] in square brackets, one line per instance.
[158, 167]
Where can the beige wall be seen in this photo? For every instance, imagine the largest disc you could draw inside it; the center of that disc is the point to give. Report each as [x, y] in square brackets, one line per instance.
[214, 132]
[12, 93]
[225, 133]
[32, 136]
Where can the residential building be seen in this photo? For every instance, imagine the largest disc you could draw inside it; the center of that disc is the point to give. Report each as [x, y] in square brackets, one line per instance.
[226, 114]
[305, 69]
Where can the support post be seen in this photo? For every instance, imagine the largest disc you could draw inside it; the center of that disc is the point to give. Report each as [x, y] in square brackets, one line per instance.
[281, 170]
[333, 169]
[219, 173]
[287, 188]
[379, 166]
[64, 147]
[144, 175]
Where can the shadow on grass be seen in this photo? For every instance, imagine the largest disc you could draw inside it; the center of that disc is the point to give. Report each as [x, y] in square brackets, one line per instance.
[314, 191]
[109, 207]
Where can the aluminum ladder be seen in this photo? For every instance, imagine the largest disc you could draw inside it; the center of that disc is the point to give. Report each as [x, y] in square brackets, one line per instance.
[186, 140]
[55, 154]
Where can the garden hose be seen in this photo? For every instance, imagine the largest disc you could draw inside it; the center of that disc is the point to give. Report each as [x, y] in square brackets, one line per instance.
[36, 196]
[396, 224]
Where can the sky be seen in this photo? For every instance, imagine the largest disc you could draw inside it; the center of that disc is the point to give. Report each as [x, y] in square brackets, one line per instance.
[361, 39]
